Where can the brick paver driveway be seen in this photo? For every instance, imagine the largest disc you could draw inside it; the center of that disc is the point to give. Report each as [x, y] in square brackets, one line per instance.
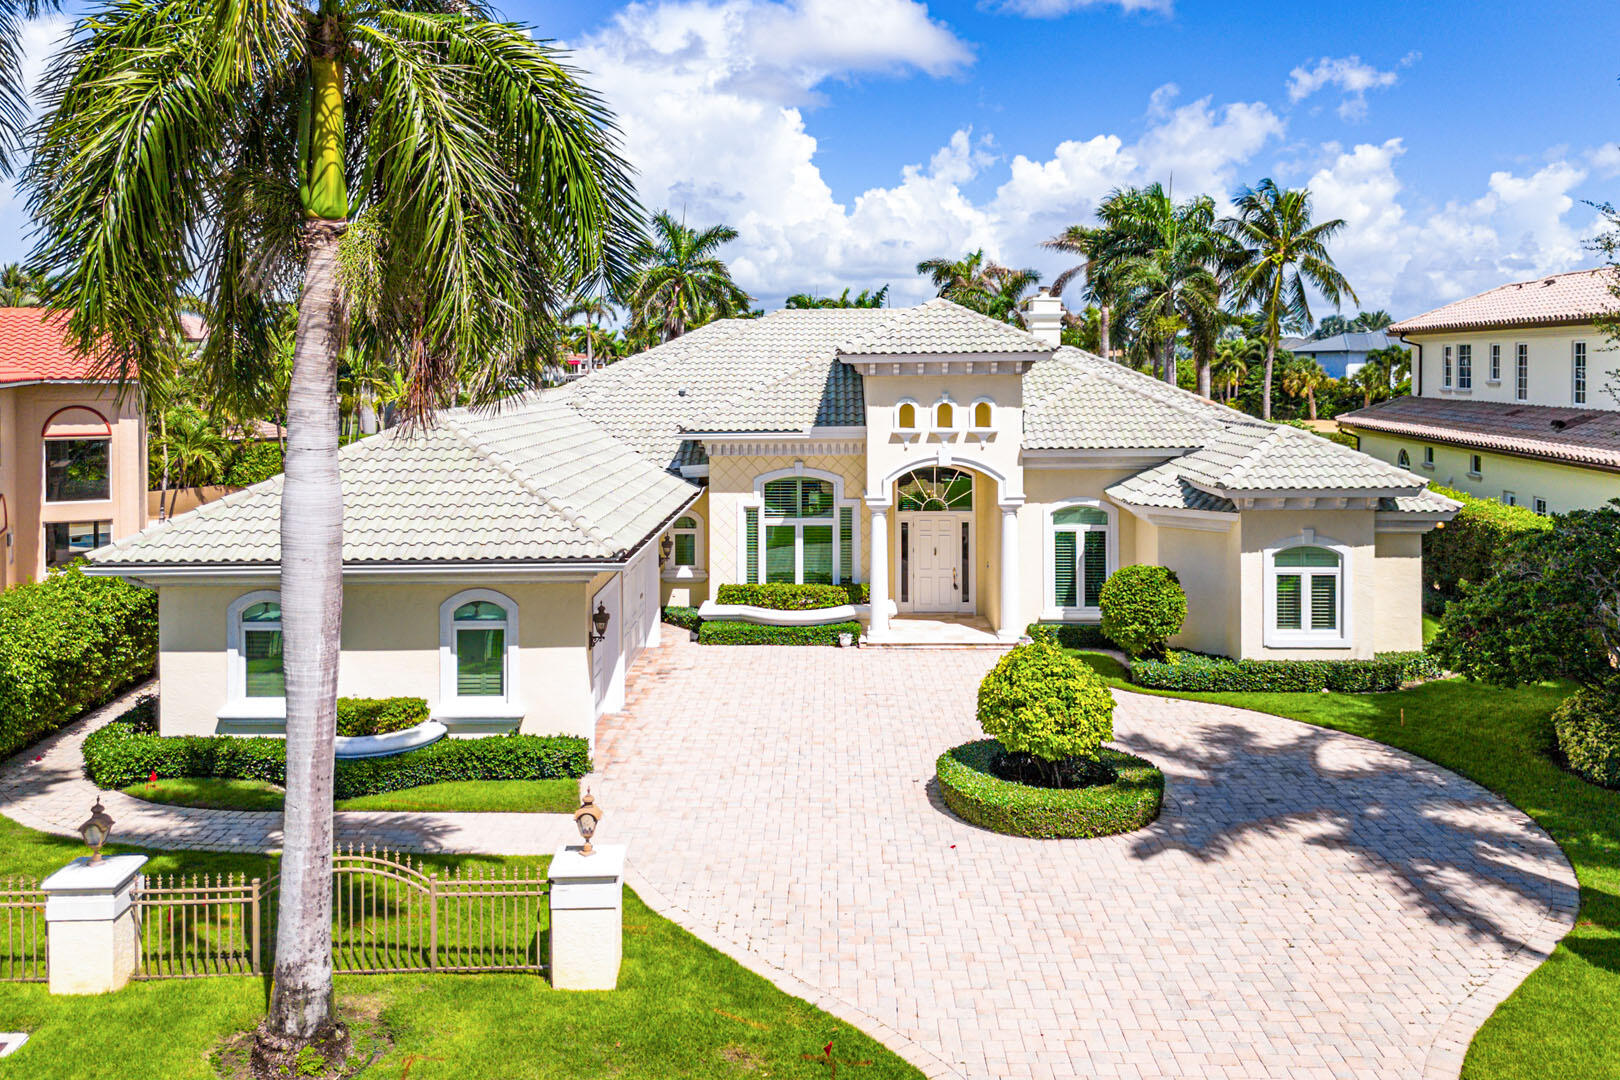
[1310, 904]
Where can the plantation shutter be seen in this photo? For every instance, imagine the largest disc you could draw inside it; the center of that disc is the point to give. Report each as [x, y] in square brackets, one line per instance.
[818, 555]
[751, 542]
[1324, 602]
[1063, 569]
[846, 543]
[1096, 565]
[1288, 602]
[261, 649]
[480, 660]
[782, 498]
[779, 543]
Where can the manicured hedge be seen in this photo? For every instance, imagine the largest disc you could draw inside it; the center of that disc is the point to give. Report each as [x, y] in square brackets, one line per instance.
[254, 462]
[1042, 701]
[1466, 547]
[1072, 635]
[687, 618]
[379, 716]
[1196, 672]
[779, 596]
[972, 790]
[128, 751]
[1588, 727]
[741, 633]
[1142, 607]
[69, 643]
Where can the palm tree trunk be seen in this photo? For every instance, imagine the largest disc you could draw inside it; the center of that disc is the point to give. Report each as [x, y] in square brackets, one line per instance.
[1204, 364]
[312, 613]
[163, 491]
[1169, 369]
[1265, 391]
[1103, 342]
[1310, 401]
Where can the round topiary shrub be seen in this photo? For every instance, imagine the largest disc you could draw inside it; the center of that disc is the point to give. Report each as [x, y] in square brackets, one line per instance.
[1040, 701]
[1588, 728]
[971, 788]
[1142, 608]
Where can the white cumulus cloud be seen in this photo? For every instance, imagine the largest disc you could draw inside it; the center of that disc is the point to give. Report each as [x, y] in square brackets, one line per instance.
[1052, 9]
[1347, 74]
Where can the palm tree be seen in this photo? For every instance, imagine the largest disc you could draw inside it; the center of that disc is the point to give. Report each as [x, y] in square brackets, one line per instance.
[1088, 242]
[595, 310]
[1371, 320]
[866, 298]
[678, 284]
[19, 286]
[1231, 364]
[981, 284]
[1304, 378]
[1280, 252]
[420, 169]
[194, 444]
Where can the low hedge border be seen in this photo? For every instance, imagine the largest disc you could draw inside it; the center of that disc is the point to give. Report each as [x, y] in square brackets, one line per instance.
[128, 751]
[379, 716]
[687, 618]
[781, 596]
[741, 633]
[978, 796]
[1199, 673]
[1072, 635]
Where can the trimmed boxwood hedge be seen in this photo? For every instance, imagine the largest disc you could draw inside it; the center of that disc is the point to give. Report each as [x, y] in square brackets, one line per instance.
[379, 716]
[128, 751]
[977, 795]
[1587, 724]
[1196, 672]
[69, 643]
[687, 618]
[780, 596]
[741, 633]
[1072, 635]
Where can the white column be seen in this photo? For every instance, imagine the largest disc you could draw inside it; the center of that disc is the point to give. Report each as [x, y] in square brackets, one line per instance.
[1011, 628]
[93, 943]
[878, 576]
[587, 917]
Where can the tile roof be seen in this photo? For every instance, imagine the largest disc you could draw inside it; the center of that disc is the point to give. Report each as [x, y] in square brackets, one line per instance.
[1574, 297]
[536, 482]
[1357, 341]
[1578, 436]
[1079, 401]
[941, 328]
[1163, 487]
[34, 348]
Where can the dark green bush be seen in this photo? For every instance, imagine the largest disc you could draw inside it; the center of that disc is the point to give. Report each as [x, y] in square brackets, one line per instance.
[1466, 548]
[1195, 672]
[253, 463]
[779, 596]
[68, 644]
[1071, 635]
[969, 786]
[687, 618]
[379, 716]
[1142, 608]
[1041, 701]
[741, 633]
[127, 752]
[1588, 727]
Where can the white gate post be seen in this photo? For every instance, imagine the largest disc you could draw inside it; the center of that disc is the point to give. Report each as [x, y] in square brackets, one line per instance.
[93, 942]
[587, 917]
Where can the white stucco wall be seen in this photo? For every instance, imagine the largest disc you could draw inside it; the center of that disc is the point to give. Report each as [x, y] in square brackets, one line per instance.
[1551, 367]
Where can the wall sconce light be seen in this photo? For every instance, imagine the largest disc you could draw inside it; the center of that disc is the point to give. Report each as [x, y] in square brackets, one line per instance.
[599, 625]
[665, 547]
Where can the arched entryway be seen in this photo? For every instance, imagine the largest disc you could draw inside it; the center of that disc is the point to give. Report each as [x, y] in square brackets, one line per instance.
[935, 541]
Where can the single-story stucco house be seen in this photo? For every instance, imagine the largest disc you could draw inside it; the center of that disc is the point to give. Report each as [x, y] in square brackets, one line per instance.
[963, 467]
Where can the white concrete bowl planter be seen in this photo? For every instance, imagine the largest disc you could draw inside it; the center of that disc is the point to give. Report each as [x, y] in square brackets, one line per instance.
[394, 742]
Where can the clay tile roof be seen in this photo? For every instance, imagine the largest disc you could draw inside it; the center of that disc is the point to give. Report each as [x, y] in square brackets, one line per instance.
[34, 348]
[1575, 297]
[941, 327]
[1579, 436]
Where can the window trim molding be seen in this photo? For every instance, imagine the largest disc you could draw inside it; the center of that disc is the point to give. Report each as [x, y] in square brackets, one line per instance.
[1493, 370]
[452, 704]
[1521, 371]
[1050, 612]
[945, 401]
[916, 415]
[1273, 638]
[973, 427]
[45, 470]
[699, 570]
[237, 703]
[757, 501]
[1580, 374]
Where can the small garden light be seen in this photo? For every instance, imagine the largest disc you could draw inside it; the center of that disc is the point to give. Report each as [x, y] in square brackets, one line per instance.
[586, 818]
[95, 831]
[599, 624]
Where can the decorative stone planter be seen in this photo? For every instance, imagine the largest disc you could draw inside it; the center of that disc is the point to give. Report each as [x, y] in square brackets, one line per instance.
[394, 742]
[796, 617]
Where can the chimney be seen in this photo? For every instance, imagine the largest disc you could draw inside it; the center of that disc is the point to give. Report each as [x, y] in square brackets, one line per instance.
[1043, 314]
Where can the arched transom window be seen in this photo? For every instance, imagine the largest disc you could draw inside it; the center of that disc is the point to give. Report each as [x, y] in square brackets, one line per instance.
[263, 674]
[685, 533]
[1305, 594]
[935, 488]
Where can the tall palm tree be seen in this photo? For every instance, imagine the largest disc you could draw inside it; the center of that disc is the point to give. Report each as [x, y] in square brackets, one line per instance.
[594, 310]
[1303, 379]
[866, 298]
[678, 284]
[194, 444]
[981, 284]
[1231, 364]
[420, 168]
[1280, 252]
[1100, 289]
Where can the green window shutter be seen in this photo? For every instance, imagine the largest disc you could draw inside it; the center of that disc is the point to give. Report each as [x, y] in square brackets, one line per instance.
[818, 555]
[779, 552]
[1063, 569]
[1324, 602]
[751, 542]
[480, 662]
[685, 549]
[1288, 602]
[1096, 565]
[261, 650]
[846, 542]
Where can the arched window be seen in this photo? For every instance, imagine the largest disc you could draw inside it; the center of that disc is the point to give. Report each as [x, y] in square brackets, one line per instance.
[945, 416]
[253, 647]
[1403, 459]
[477, 647]
[1082, 555]
[905, 416]
[685, 534]
[78, 444]
[935, 488]
[798, 528]
[1305, 595]
[983, 414]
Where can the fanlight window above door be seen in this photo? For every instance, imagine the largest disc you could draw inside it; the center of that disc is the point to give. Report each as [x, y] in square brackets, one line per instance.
[936, 488]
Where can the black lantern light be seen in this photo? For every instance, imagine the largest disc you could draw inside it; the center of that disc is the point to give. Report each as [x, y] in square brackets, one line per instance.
[599, 625]
[665, 547]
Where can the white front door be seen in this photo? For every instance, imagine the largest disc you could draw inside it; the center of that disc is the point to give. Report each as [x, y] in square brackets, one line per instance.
[937, 552]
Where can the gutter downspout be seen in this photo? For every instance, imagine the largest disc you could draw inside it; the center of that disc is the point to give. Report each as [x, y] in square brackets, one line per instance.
[1417, 365]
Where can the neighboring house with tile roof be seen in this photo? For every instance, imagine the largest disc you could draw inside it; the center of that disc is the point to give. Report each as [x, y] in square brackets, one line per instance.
[1513, 395]
[1340, 355]
[72, 450]
[959, 466]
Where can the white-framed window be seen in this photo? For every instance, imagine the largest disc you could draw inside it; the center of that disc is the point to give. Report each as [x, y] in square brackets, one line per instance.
[945, 414]
[1403, 459]
[686, 553]
[1428, 457]
[1465, 367]
[906, 415]
[1081, 552]
[1496, 364]
[1306, 603]
[67, 540]
[78, 456]
[256, 676]
[1578, 374]
[982, 415]
[1509, 499]
[478, 651]
[799, 528]
[1538, 504]
[1521, 372]
[1476, 466]
[1445, 368]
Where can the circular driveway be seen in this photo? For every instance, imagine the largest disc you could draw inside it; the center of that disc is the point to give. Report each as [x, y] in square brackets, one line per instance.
[1310, 904]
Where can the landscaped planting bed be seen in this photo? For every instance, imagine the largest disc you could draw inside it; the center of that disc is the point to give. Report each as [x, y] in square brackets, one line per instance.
[557, 796]
[781, 596]
[1199, 673]
[970, 787]
[741, 633]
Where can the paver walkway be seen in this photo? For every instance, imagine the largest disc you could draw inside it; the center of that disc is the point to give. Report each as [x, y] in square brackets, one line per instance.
[1309, 905]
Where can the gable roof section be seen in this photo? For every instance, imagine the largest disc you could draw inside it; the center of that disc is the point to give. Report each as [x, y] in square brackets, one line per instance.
[1577, 436]
[941, 328]
[34, 348]
[1575, 297]
[537, 483]
[1077, 401]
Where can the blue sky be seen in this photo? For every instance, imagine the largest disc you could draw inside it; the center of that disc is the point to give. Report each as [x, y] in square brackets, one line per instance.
[847, 140]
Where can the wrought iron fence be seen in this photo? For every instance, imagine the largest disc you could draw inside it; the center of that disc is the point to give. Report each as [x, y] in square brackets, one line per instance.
[390, 913]
[22, 931]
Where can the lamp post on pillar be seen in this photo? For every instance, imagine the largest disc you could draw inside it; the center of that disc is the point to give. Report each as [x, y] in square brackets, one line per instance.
[879, 575]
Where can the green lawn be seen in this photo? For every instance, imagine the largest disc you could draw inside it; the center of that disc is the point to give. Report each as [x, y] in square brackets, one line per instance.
[682, 1010]
[1431, 627]
[526, 796]
[1561, 1022]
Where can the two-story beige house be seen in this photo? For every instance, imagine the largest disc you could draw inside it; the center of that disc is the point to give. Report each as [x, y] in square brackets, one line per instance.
[1513, 396]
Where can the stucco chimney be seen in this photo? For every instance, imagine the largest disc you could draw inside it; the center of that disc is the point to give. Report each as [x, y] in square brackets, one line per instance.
[1043, 314]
